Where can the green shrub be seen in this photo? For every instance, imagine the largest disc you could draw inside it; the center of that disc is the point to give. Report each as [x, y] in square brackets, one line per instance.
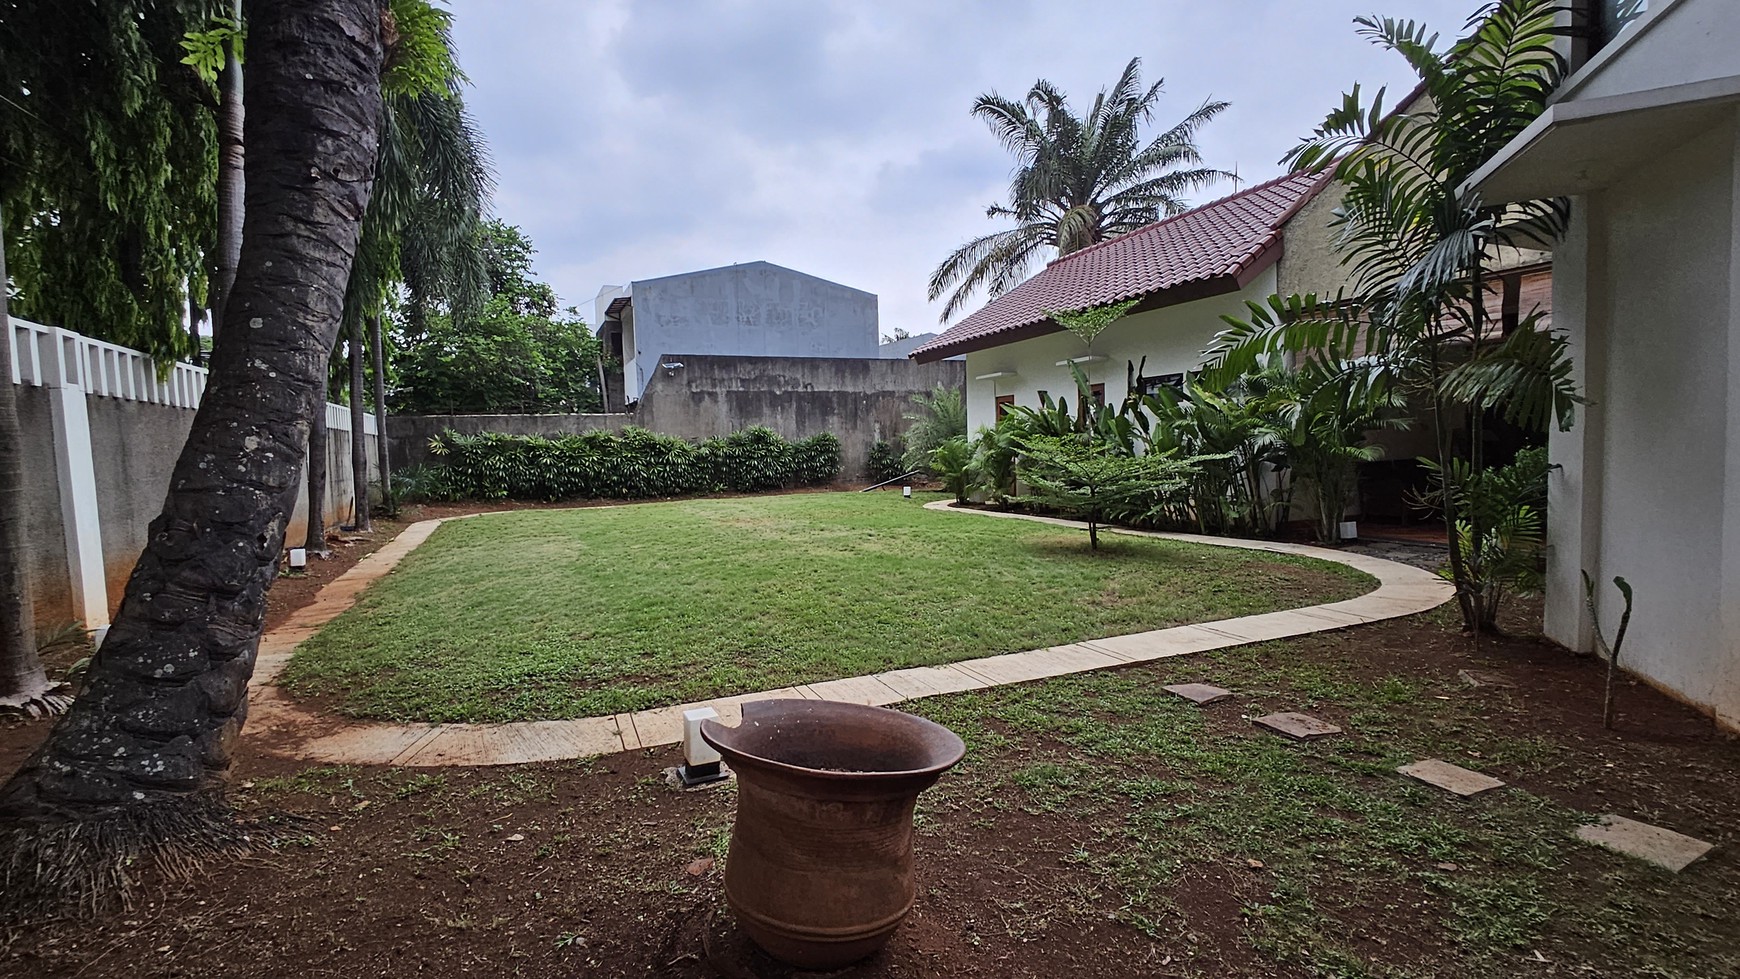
[941, 415]
[884, 463]
[631, 464]
[952, 463]
[421, 484]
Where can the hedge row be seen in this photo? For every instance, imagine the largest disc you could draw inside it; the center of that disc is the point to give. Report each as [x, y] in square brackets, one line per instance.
[629, 464]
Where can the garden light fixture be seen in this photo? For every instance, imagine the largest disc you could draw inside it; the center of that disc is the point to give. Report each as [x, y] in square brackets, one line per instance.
[299, 557]
[700, 759]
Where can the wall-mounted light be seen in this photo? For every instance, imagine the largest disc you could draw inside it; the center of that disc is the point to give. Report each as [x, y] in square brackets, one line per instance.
[701, 762]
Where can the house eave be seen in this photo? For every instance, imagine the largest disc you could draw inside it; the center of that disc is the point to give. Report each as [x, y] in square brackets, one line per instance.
[1582, 145]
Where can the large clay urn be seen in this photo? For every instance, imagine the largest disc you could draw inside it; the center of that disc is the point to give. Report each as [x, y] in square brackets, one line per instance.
[820, 868]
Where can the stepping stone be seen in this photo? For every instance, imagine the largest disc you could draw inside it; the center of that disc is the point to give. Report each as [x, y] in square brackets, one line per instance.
[1299, 727]
[1450, 778]
[1475, 678]
[1199, 693]
[1662, 847]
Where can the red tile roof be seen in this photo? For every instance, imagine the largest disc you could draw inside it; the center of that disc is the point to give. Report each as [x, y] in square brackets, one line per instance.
[1214, 249]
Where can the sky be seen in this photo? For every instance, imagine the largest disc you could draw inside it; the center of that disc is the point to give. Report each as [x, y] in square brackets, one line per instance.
[639, 138]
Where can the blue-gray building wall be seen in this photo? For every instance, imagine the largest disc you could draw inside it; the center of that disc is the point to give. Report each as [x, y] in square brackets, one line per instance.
[749, 310]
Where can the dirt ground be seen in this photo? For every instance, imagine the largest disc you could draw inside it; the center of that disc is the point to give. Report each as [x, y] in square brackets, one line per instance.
[598, 868]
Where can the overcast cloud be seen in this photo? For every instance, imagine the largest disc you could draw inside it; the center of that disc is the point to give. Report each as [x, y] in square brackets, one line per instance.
[640, 138]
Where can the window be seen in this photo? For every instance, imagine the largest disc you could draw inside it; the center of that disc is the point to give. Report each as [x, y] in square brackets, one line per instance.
[1152, 385]
[1004, 403]
[1099, 393]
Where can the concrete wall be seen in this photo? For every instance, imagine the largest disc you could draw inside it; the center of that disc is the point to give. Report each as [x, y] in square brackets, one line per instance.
[859, 400]
[408, 435]
[1647, 285]
[101, 437]
[756, 310]
[1172, 339]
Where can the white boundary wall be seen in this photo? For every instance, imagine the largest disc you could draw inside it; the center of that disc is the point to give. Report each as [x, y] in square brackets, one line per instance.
[113, 429]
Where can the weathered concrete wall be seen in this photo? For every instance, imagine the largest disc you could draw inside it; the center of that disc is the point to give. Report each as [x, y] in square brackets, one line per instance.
[756, 309]
[45, 553]
[133, 448]
[860, 400]
[408, 435]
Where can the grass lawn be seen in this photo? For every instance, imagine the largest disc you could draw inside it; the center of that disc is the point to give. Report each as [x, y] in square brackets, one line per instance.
[572, 613]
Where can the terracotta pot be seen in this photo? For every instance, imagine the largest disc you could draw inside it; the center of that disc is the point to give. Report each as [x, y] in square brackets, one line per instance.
[820, 868]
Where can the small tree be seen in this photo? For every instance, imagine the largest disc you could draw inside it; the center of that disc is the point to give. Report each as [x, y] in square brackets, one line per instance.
[1608, 653]
[1091, 480]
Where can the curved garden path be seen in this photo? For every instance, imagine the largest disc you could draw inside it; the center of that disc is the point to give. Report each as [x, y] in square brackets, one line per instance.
[281, 726]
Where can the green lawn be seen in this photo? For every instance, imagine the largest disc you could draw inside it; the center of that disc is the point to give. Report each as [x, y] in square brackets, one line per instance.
[573, 613]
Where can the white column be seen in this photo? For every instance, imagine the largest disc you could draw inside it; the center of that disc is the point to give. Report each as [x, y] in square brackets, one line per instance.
[76, 474]
[1580, 308]
[1725, 695]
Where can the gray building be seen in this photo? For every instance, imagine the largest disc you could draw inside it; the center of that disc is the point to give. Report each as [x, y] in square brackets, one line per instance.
[756, 309]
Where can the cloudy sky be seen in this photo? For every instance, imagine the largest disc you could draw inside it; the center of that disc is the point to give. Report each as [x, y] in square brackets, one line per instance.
[640, 138]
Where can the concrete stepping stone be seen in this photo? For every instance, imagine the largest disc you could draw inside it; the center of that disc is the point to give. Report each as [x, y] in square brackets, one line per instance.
[1662, 847]
[1477, 679]
[1299, 727]
[1199, 693]
[1450, 778]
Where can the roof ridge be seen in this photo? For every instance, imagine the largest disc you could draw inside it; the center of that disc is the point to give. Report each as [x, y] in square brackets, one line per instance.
[1265, 185]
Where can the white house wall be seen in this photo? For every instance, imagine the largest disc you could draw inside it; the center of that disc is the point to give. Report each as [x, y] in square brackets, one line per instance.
[1650, 486]
[1171, 338]
[1679, 43]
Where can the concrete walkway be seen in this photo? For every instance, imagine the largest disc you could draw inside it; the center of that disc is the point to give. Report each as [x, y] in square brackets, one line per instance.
[280, 726]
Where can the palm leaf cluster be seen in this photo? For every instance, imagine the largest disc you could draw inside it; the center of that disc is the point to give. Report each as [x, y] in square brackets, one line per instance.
[1419, 244]
[1079, 179]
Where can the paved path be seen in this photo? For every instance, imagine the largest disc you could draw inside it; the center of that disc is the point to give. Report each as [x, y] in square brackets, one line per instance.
[281, 726]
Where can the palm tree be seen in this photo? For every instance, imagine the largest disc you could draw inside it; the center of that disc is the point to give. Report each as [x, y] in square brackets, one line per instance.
[1418, 248]
[134, 768]
[1079, 179]
[22, 679]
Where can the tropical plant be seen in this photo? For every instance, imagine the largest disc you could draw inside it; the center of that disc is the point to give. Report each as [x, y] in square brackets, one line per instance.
[1318, 417]
[883, 462]
[952, 464]
[1509, 504]
[107, 175]
[994, 456]
[167, 693]
[941, 415]
[1079, 179]
[1418, 249]
[1093, 481]
[22, 679]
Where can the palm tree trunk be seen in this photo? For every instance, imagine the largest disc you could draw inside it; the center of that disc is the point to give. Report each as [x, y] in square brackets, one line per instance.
[148, 741]
[359, 449]
[21, 675]
[315, 538]
[231, 181]
[380, 371]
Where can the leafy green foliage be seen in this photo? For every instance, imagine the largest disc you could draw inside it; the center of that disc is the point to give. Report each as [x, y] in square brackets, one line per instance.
[632, 464]
[207, 50]
[952, 464]
[1509, 503]
[1079, 179]
[940, 416]
[498, 361]
[1091, 322]
[1090, 480]
[883, 462]
[1419, 249]
[108, 180]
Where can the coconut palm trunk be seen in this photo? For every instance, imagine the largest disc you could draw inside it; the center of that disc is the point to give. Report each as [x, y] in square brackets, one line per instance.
[232, 179]
[149, 739]
[22, 679]
[359, 449]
